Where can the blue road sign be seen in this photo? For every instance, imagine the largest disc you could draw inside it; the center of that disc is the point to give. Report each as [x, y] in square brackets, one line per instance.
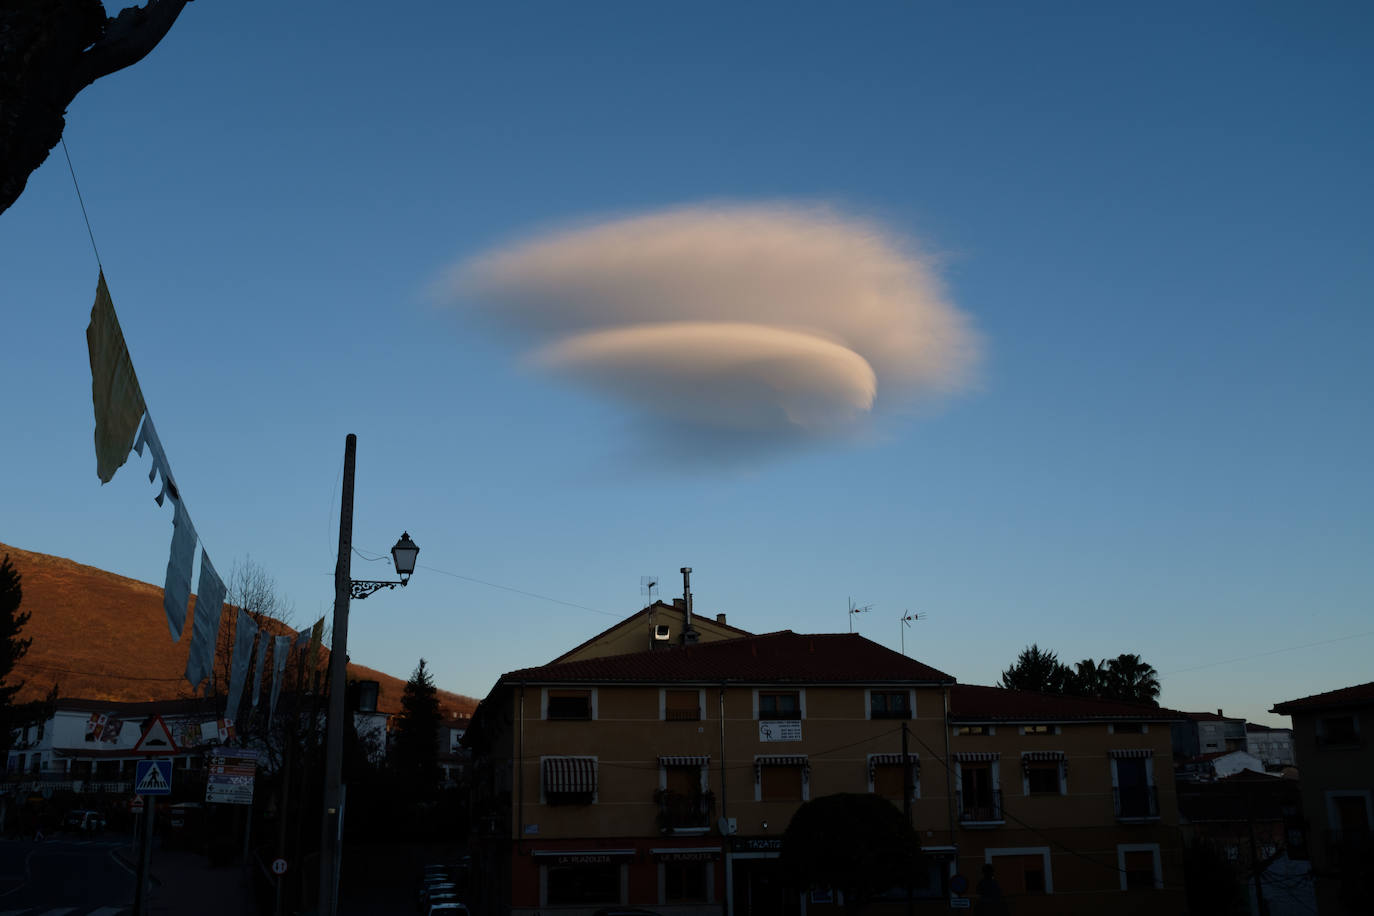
[153, 777]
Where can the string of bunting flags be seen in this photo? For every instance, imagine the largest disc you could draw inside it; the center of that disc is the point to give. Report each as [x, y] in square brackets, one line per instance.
[123, 423]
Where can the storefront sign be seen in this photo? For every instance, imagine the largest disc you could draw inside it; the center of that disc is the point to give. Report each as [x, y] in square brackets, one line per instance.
[686, 855]
[756, 844]
[584, 857]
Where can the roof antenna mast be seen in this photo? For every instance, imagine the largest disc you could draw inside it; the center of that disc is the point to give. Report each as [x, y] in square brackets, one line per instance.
[907, 617]
[854, 609]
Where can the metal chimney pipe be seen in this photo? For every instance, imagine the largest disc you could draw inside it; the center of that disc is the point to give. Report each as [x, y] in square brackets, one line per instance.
[687, 596]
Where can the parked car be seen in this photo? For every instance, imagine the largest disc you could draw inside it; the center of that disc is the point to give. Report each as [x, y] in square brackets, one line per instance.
[85, 820]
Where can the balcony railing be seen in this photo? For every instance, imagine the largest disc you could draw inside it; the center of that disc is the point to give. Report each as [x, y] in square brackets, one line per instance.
[684, 811]
[1136, 803]
[981, 807]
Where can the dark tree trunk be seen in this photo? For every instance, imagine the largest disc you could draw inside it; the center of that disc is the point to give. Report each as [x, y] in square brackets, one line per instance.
[49, 51]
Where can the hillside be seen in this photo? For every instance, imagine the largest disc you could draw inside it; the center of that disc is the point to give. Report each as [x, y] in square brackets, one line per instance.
[100, 636]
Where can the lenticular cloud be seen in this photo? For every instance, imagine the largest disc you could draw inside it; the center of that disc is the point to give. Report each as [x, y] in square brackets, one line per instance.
[756, 322]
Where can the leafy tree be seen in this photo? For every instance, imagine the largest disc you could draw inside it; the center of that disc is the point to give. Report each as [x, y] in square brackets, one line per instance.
[1089, 679]
[49, 51]
[1039, 670]
[416, 756]
[856, 843]
[1130, 678]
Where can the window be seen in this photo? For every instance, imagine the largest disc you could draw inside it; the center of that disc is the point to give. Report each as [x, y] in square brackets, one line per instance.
[1133, 785]
[779, 705]
[979, 797]
[1128, 728]
[1337, 730]
[887, 776]
[584, 884]
[781, 778]
[973, 730]
[889, 704]
[569, 780]
[681, 705]
[1042, 777]
[1021, 871]
[1038, 730]
[684, 882]
[1138, 864]
[569, 704]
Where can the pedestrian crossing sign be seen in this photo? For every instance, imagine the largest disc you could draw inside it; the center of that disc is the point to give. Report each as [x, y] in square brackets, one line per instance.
[153, 777]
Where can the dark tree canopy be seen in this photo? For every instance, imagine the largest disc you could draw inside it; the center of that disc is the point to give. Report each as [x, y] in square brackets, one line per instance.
[49, 51]
[856, 843]
[1039, 670]
[1127, 677]
[12, 649]
[416, 756]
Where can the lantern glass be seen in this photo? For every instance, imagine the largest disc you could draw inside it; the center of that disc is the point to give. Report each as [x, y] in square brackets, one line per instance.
[403, 555]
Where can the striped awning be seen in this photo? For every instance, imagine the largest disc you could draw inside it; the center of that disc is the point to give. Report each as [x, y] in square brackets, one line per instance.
[1131, 752]
[570, 774]
[976, 756]
[1029, 757]
[891, 760]
[684, 761]
[781, 760]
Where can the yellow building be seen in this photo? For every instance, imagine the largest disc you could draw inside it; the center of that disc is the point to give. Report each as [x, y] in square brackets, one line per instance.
[665, 779]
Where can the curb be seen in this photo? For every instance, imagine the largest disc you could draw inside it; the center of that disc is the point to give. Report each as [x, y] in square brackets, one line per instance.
[132, 866]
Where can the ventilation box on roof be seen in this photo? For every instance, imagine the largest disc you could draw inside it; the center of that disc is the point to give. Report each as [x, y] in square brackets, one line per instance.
[662, 633]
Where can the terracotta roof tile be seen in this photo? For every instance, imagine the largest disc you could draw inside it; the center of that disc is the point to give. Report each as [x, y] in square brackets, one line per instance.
[771, 657]
[1359, 695]
[974, 703]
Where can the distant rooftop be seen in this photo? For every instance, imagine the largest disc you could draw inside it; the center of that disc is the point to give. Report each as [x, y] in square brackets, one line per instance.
[784, 656]
[1359, 695]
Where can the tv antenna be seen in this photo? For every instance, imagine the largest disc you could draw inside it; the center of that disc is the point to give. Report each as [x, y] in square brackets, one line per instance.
[648, 587]
[854, 609]
[907, 617]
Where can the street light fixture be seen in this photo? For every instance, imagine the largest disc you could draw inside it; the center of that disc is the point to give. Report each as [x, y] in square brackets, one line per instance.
[346, 588]
[403, 556]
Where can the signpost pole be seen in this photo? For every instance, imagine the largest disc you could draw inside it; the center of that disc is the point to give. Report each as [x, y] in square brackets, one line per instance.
[145, 857]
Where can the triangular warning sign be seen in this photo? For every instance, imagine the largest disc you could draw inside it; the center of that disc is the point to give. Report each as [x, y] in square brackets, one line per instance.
[152, 782]
[157, 739]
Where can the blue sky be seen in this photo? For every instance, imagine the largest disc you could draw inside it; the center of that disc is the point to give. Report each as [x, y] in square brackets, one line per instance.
[1154, 221]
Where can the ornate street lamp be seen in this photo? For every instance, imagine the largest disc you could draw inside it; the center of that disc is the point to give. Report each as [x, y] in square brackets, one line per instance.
[403, 556]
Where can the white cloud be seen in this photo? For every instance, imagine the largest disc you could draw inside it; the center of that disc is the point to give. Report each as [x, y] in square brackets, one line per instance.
[756, 320]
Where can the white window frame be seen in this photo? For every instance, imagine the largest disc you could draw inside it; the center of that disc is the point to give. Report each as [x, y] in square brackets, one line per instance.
[710, 884]
[544, 704]
[1043, 851]
[1053, 730]
[996, 769]
[805, 781]
[704, 776]
[868, 699]
[1144, 729]
[1333, 813]
[988, 730]
[663, 702]
[1061, 768]
[801, 700]
[915, 779]
[1123, 848]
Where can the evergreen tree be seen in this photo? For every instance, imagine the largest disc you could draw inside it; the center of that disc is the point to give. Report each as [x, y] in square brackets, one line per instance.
[416, 752]
[12, 649]
[1039, 670]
